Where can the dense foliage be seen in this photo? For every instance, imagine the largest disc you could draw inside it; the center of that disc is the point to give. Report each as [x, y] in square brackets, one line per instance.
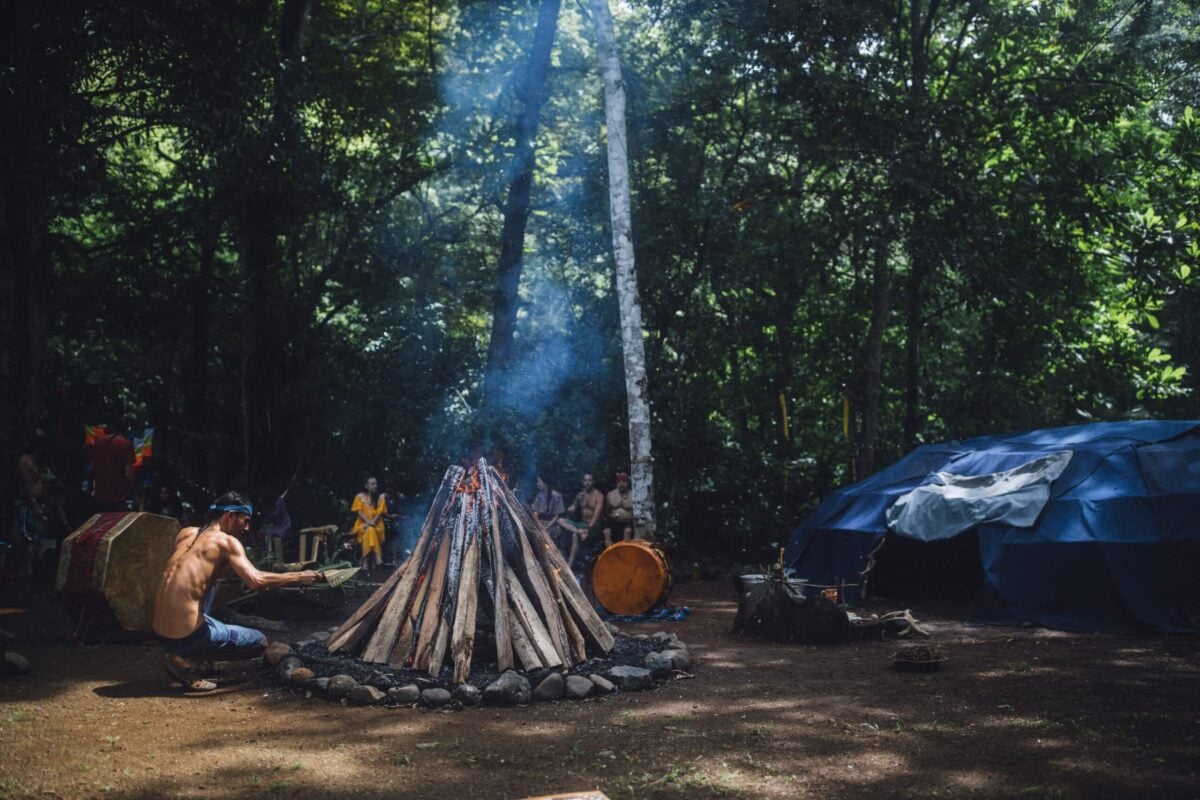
[271, 230]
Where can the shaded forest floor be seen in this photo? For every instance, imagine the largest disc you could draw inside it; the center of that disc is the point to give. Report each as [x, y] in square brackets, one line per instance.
[1015, 713]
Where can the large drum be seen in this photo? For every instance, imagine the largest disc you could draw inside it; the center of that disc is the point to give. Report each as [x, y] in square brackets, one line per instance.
[631, 577]
[111, 566]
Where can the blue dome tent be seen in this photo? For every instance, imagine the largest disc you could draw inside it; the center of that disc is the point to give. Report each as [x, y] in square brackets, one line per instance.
[1107, 538]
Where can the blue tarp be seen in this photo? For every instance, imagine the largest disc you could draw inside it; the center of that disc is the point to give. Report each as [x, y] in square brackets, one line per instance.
[1115, 548]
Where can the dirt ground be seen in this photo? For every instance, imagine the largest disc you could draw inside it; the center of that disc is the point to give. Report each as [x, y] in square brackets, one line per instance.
[1014, 713]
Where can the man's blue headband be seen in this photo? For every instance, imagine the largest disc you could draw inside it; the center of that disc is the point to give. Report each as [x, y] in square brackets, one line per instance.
[243, 509]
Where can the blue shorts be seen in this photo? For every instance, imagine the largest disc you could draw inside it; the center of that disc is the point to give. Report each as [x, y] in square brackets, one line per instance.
[217, 641]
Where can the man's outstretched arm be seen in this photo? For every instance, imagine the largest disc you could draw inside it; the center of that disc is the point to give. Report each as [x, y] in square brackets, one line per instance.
[256, 579]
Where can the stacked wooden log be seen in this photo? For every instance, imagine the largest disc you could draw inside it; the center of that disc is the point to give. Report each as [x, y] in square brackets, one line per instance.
[482, 563]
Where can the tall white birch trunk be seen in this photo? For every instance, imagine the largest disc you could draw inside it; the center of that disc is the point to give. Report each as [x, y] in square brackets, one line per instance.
[640, 458]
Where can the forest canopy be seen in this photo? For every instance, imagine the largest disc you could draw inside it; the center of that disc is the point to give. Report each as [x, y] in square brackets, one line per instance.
[273, 230]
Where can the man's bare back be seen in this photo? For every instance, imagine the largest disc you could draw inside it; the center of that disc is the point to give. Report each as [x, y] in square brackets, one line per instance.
[202, 556]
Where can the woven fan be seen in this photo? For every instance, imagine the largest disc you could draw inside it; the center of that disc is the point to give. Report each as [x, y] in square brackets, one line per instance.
[336, 577]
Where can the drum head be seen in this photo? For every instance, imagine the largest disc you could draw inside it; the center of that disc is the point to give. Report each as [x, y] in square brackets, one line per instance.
[631, 578]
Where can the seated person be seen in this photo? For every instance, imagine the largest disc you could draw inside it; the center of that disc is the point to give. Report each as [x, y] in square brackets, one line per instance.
[547, 508]
[585, 514]
[619, 504]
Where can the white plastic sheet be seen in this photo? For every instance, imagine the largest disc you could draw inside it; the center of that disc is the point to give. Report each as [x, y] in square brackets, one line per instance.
[953, 503]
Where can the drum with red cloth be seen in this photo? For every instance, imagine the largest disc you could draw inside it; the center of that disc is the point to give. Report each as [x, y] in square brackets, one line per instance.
[111, 566]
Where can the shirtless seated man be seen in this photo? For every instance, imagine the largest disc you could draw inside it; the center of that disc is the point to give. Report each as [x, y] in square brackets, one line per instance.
[203, 555]
[619, 503]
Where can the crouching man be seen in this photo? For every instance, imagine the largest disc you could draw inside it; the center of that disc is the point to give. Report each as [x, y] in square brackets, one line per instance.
[202, 555]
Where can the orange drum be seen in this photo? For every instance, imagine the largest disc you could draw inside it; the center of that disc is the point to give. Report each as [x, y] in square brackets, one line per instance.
[631, 577]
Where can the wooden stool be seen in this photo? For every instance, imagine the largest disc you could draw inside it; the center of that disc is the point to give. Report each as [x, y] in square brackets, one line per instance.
[320, 537]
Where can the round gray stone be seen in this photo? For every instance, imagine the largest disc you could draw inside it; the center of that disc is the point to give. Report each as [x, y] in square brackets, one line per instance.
[578, 687]
[603, 685]
[15, 664]
[509, 689]
[467, 694]
[300, 676]
[366, 695]
[287, 666]
[379, 680]
[404, 695]
[320, 637]
[317, 685]
[276, 652]
[659, 664]
[630, 679]
[680, 659]
[340, 686]
[551, 688]
[435, 698]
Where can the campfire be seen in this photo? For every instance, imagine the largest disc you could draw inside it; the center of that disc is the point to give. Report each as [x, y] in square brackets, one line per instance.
[483, 572]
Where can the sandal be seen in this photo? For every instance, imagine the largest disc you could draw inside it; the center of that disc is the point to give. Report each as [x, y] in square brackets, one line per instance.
[188, 680]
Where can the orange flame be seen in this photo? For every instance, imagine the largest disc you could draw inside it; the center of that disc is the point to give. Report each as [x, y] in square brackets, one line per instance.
[470, 483]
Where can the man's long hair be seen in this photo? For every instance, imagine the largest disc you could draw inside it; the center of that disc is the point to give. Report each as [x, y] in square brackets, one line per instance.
[227, 499]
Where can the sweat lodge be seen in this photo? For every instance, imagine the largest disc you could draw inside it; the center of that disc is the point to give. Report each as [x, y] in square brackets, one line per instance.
[1088, 528]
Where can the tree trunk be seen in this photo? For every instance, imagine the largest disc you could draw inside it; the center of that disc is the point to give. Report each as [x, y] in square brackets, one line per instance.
[881, 296]
[264, 218]
[35, 60]
[196, 402]
[640, 455]
[516, 208]
[920, 198]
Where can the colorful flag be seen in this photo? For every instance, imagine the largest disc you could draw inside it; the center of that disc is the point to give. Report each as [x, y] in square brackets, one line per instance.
[143, 448]
[91, 433]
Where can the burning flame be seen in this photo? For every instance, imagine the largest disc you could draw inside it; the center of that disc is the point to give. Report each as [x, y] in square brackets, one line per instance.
[470, 483]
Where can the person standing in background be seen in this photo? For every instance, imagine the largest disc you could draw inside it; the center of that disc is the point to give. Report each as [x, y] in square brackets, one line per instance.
[275, 527]
[112, 472]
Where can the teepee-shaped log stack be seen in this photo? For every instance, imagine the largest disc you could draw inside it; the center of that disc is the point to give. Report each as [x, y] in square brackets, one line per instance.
[481, 562]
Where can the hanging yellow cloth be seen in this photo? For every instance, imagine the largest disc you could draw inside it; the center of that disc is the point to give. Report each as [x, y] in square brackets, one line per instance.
[369, 536]
[846, 413]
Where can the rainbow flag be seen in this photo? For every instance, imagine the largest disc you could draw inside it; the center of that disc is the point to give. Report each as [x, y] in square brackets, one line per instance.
[143, 448]
[91, 433]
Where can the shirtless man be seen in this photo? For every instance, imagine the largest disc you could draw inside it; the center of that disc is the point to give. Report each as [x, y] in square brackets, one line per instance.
[588, 508]
[202, 555]
[620, 511]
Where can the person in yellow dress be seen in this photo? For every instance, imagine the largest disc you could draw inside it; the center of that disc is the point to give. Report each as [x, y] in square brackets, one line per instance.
[369, 508]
